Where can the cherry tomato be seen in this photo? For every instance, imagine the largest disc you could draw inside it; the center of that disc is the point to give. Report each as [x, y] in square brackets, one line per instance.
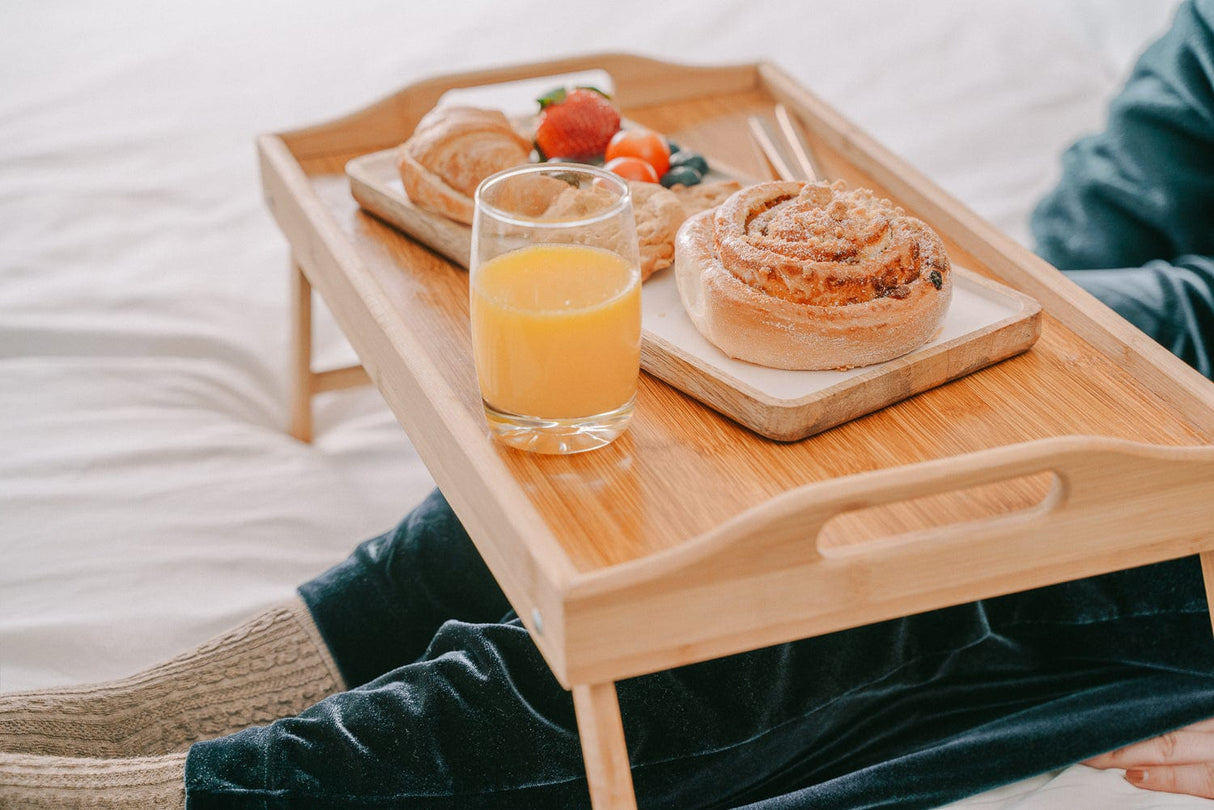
[632, 168]
[645, 144]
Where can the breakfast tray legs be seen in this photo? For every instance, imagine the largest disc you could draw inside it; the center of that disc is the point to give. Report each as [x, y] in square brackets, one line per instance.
[306, 383]
[597, 707]
[603, 748]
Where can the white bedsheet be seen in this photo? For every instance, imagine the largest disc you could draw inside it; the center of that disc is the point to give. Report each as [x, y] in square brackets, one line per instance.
[149, 496]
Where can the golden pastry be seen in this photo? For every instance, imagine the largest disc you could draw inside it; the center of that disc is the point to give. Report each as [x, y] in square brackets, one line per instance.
[812, 276]
[452, 150]
[658, 215]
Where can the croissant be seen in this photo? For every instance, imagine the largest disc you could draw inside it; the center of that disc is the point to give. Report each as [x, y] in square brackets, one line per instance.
[451, 151]
[812, 276]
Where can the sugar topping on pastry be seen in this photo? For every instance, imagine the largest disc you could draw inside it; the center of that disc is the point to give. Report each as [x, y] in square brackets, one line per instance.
[812, 276]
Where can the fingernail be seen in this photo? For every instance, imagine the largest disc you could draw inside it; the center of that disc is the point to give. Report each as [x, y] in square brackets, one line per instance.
[1136, 776]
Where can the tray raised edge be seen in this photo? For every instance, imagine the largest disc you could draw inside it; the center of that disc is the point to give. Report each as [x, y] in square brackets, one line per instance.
[301, 214]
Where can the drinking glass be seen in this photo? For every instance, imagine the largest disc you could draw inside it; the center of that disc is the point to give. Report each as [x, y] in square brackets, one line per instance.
[555, 288]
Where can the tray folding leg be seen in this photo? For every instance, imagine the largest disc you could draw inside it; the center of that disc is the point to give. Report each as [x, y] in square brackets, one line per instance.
[603, 749]
[306, 383]
[300, 396]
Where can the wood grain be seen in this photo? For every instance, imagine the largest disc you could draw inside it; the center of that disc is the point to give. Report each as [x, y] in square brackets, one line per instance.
[603, 747]
[570, 538]
[299, 423]
[1097, 515]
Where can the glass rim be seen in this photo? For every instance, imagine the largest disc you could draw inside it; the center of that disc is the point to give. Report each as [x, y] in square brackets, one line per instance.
[482, 205]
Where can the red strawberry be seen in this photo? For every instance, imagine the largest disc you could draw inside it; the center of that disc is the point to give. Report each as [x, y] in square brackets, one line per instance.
[576, 124]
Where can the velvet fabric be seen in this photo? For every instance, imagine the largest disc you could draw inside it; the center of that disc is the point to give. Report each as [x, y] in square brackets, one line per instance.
[455, 708]
[1130, 219]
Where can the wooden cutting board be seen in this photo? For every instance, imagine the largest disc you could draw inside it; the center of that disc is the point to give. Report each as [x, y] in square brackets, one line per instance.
[986, 322]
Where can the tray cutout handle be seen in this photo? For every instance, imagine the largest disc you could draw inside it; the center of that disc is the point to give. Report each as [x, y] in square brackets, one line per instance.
[1098, 494]
[768, 575]
[1108, 504]
[1013, 501]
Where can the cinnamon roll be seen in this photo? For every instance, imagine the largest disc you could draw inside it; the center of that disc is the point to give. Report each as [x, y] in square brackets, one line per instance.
[451, 151]
[812, 276]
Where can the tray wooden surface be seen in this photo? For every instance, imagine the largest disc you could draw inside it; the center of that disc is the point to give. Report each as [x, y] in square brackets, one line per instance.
[986, 322]
[693, 537]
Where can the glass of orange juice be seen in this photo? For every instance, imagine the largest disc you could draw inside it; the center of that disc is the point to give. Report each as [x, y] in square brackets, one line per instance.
[555, 288]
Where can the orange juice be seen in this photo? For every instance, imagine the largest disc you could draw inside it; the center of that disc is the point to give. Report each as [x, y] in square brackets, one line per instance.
[556, 331]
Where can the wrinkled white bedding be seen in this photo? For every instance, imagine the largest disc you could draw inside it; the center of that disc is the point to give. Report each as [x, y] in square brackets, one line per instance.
[149, 495]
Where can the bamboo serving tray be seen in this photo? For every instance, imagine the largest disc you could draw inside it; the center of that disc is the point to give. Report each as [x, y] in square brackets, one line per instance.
[692, 537]
[986, 322]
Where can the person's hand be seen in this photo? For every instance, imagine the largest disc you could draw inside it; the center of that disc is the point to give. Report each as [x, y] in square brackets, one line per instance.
[1180, 761]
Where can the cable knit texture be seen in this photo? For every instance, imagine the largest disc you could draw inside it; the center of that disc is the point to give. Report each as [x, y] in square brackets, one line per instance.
[273, 666]
[32, 782]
